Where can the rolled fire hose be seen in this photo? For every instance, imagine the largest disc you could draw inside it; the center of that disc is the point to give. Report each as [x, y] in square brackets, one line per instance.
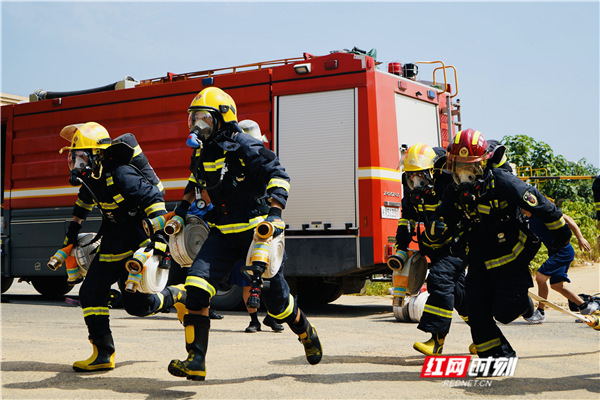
[276, 252]
[409, 279]
[418, 272]
[85, 251]
[413, 307]
[186, 243]
[152, 279]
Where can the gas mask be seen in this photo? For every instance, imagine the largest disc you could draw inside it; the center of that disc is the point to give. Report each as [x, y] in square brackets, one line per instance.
[418, 179]
[469, 178]
[421, 186]
[81, 165]
[202, 125]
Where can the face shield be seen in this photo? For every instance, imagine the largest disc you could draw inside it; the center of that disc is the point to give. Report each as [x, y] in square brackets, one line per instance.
[467, 173]
[202, 123]
[418, 179]
[80, 165]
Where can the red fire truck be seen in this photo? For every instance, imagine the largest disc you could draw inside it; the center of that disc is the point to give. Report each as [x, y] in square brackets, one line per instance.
[336, 121]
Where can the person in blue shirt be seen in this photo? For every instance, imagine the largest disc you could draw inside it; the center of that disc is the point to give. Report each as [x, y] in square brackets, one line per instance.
[555, 268]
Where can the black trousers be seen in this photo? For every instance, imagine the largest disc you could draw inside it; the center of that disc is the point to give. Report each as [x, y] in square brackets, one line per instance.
[446, 287]
[214, 263]
[95, 290]
[496, 296]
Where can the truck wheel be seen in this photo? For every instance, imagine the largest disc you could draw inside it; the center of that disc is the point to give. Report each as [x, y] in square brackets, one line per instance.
[51, 286]
[6, 283]
[228, 299]
[315, 291]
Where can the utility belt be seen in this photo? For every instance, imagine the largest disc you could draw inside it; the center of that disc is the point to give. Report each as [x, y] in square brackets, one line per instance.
[261, 207]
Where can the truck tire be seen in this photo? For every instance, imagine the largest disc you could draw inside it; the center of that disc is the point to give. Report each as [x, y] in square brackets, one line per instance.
[6, 283]
[228, 299]
[51, 286]
[316, 291]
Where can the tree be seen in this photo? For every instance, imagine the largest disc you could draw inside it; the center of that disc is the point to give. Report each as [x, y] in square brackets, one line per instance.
[538, 159]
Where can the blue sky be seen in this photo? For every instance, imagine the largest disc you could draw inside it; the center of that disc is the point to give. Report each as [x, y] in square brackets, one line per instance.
[527, 68]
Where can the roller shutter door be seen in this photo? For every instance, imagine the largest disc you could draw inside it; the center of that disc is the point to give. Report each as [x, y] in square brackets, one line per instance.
[316, 143]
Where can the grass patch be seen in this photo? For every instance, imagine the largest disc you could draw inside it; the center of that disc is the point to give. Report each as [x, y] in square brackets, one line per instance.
[376, 288]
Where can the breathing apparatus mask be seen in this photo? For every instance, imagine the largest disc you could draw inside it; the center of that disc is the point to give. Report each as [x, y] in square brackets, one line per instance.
[420, 184]
[202, 125]
[82, 164]
[470, 179]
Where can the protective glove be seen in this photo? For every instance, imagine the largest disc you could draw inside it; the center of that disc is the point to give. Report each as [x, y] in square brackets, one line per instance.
[274, 218]
[158, 242]
[561, 237]
[436, 237]
[182, 209]
[72, 232]
[436, 231]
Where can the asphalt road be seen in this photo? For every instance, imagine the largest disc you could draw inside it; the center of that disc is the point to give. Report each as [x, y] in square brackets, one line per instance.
[367, 355]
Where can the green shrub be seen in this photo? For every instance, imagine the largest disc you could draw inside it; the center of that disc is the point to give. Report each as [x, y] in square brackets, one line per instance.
[377, 288]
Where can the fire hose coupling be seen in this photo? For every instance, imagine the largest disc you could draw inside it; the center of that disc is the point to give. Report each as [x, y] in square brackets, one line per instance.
[59, 257]
[135, 265]
[152, 225]
[397, 261]
[265, 230]
[133, 282]
[174, 225]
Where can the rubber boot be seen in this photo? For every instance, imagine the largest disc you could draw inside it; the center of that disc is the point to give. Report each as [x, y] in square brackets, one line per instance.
[178, 295]
[102, 358]
[433, 346]
[196, 344]
[312, 345]
[472, 348]
[274, 325]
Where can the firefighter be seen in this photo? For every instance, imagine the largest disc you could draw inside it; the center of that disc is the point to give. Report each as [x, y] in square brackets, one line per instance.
[253, 129]
[125, 196]
[424, 182]
[480, 217]
[247, 185]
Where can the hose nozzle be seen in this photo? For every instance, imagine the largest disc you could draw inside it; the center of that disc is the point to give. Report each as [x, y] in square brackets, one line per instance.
[59, 257]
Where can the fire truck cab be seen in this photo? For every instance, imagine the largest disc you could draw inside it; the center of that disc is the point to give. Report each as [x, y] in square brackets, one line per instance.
[337, 122]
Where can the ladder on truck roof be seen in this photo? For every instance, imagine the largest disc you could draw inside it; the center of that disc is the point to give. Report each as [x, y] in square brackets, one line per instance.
[171, 77]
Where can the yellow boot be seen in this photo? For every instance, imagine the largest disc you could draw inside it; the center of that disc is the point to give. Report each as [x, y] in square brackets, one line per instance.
[433, 346]
[312, 345]
[102, 358]
[179, 295]
[196, 344]
[472, 348]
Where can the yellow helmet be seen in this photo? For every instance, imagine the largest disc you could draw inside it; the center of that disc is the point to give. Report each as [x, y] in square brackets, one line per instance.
[419, 157]
[215, 100]
[89, 136]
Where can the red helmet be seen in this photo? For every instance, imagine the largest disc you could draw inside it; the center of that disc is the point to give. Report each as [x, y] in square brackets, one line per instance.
[468, 146]
[467, 157]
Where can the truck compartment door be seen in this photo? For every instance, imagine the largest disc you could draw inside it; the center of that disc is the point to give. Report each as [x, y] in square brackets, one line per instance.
[416, 121]
[316, 143]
